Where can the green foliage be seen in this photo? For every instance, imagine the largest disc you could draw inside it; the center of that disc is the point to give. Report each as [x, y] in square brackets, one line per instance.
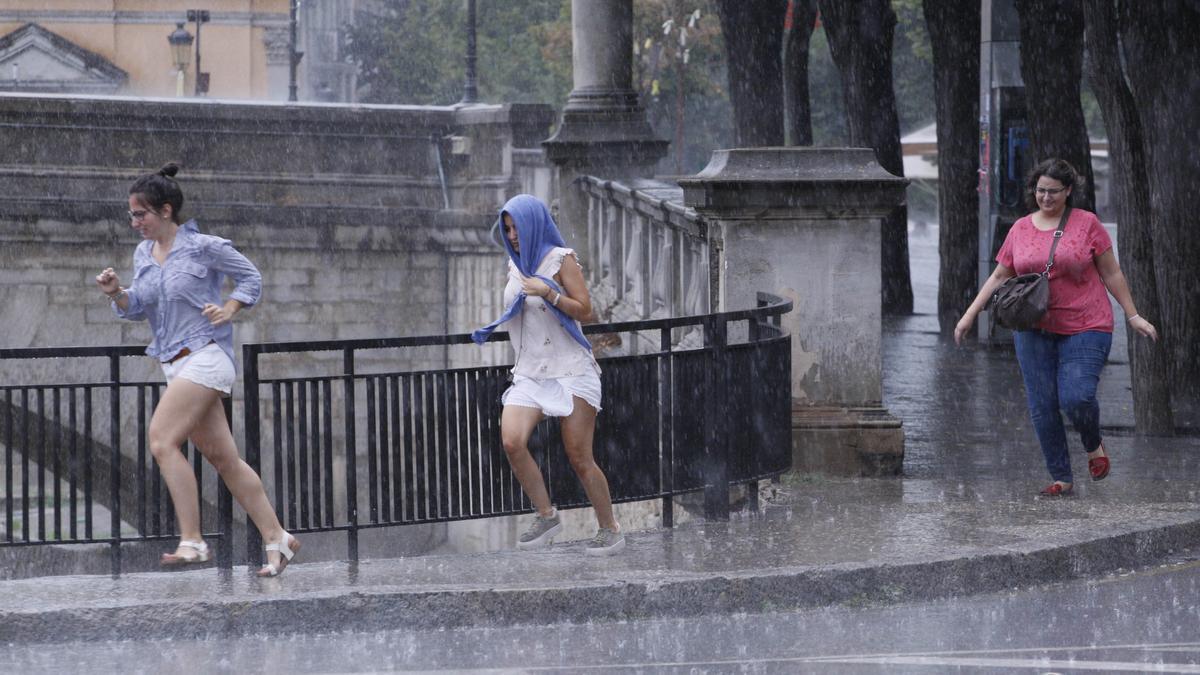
[412, 51]
[405, 53]
[912, 67]
[912, 78]
[658, 64]
[825, 93]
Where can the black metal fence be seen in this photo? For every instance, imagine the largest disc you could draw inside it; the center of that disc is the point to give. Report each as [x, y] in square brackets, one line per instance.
[357, 444]
[66, 479]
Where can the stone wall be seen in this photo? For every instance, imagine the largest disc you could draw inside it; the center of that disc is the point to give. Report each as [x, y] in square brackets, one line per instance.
[342, 207]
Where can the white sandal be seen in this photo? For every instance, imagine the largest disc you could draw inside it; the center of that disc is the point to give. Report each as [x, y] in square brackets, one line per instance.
[200, 547]
[287, 547]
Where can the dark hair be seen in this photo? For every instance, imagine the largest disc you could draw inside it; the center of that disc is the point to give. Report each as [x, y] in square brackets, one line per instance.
[1058, 169]
[156, 189]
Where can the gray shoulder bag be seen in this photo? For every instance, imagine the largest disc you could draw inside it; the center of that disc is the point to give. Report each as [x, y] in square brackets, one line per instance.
[1020, 302]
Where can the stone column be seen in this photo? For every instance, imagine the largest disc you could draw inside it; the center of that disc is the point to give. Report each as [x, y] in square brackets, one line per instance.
[804, 223]
[604, 131]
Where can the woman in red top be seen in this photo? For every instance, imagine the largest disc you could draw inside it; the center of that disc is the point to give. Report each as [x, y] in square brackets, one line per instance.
[1061, 360]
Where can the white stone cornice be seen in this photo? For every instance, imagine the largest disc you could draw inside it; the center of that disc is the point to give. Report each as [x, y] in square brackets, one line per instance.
[50, 16]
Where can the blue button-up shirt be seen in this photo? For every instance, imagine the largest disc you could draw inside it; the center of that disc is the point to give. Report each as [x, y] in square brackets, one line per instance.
[172, 295]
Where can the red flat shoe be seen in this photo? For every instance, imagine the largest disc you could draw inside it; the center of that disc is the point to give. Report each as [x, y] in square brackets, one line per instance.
[1057, 490]
[1098, 467]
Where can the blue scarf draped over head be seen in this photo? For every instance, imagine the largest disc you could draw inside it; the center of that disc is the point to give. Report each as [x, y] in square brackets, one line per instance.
[537, 235]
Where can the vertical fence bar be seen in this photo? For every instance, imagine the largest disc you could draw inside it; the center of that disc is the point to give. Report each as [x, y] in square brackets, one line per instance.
[442, 454]
[141, 461]
[8, 466]
[73, 417]
[289, 416]
[753, 336]
[87, 463]
[327, 404]
[277, 442]
[114, 473]
[454, 443]
[406, 491]
[156, 511]
[372, 453]
[225, 497]
[301, 404]
[197, 465]
[716, 460]
[666, 421]
[395, 478]
[351, 450]
[478, 394]
[24, 464]
[384, 448]
[314, 444]
[41, 464]
[57, 473]
[252, 430]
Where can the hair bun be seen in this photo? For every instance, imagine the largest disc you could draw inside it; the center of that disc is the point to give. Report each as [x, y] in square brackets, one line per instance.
[169, 170]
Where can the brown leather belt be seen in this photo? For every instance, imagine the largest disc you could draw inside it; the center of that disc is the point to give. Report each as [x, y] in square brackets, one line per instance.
[182, 353]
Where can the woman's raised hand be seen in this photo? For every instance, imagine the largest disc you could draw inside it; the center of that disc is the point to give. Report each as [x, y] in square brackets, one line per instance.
[216, 314]
[108, 281]
[1144, 327]
[534, 286]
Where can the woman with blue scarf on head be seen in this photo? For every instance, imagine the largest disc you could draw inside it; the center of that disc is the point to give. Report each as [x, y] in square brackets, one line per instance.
[555, 373]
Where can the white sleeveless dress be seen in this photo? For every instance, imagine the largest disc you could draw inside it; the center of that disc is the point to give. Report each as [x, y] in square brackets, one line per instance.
[550, 366]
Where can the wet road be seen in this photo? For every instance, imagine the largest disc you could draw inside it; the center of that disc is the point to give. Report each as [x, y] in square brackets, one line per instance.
[1145, 621]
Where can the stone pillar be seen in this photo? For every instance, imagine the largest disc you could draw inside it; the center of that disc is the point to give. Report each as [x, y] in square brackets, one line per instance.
[276, 42]
[604, 131]
[804, 223]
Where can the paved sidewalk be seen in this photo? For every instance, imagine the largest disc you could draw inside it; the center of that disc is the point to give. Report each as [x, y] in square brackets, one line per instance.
[964, 519]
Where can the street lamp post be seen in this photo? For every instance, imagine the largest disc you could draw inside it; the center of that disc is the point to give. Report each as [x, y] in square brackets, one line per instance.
[181, 51]
[294, 55]
[200, 17]
[471, 89]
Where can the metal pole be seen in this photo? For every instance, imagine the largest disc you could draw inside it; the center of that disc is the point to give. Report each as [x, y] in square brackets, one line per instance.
[293, 55]
[199, 23]
[471, 90]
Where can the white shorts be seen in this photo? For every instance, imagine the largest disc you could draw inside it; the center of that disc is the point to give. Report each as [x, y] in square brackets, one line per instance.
[208, 366]
[553, 396]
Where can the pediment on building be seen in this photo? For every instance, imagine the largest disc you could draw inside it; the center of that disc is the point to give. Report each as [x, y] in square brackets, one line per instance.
[35, 59]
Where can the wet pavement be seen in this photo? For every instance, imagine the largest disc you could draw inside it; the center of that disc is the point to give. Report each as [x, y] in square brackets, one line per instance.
[963, 520]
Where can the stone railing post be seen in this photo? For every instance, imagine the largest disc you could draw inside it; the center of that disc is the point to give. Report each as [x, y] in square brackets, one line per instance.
[604, 130]
[804, 223]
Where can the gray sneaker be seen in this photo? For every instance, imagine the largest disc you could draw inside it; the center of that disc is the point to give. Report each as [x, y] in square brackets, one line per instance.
[606, 542]
[541, 532]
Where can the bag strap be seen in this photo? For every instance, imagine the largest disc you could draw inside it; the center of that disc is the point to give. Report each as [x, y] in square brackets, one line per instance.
[1058, 233]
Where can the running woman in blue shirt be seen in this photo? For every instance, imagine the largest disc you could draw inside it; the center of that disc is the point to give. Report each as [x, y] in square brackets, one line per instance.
[177, 278]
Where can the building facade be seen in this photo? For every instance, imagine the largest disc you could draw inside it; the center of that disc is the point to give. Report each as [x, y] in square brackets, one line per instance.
[120, 47]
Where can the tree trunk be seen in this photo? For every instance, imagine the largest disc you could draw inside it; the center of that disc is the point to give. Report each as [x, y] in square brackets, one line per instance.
[1052, 66]
[860, 39]
[753, 32]
[1162, 55]
[798, 29]
[1130, 197]
[954, 36]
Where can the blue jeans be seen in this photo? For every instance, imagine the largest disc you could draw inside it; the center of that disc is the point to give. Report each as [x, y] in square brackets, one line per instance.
[1061, 373]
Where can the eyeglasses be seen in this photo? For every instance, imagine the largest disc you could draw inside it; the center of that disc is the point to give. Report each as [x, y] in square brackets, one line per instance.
[1049, 191]
[137, 215]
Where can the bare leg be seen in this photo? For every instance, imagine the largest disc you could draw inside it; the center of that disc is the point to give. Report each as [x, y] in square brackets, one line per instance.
[216, 443]
[516, 426]
[180, 409]
[578, 431]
